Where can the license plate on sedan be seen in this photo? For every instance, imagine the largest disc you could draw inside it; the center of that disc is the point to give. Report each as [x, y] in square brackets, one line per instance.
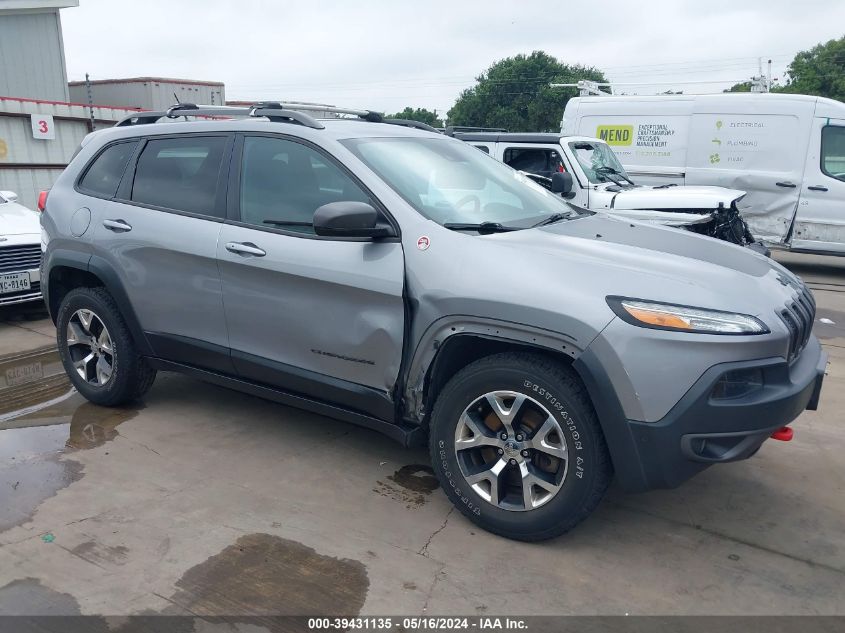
[13, 282]
[21, 374]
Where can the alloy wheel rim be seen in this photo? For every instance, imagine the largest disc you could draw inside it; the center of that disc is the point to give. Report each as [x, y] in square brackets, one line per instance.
[90, 347]
[511, 450]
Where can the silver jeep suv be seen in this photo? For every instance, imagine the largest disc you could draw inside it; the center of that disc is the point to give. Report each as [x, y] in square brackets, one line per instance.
[404, 281]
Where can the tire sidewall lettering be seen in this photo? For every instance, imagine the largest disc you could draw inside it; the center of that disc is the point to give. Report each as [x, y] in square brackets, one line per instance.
[558, 406]
[447, 473]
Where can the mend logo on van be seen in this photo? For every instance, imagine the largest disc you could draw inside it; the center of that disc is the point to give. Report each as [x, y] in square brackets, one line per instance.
[616, 134]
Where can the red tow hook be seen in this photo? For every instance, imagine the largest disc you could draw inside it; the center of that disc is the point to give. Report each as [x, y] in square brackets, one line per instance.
[784, 434]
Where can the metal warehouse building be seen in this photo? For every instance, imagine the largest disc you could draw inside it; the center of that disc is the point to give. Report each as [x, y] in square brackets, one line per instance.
[39, 130]
[31, 49]
[149, 93]
[30, 161]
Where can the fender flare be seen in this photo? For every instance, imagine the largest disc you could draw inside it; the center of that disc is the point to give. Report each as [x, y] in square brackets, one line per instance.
[445, 328]
[618, 434]
[60, 258]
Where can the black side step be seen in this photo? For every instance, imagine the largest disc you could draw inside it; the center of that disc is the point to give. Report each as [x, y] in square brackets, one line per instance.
[408, 436]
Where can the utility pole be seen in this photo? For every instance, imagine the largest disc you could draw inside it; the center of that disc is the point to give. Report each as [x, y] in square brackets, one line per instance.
[90, 102]
[761, 82]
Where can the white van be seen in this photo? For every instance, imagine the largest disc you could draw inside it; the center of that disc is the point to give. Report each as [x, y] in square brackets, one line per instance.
[786, 151]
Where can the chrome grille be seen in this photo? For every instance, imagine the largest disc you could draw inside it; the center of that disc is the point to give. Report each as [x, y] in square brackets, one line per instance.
[19, 258]
[799, 316]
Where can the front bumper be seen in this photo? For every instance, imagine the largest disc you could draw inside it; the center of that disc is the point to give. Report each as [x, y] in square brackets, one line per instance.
[700, 430]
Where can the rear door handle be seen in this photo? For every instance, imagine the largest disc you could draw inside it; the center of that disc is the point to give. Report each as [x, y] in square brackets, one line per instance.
[788, 184]
[817, 188]
[245, 248]
[118, 226]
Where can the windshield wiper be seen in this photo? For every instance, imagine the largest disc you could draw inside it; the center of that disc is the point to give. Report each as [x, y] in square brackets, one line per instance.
[610, 170]
[555, 217]
[483, 228]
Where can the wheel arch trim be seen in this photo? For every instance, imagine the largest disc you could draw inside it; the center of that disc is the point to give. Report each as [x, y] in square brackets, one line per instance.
[449, 328]
[621, 443]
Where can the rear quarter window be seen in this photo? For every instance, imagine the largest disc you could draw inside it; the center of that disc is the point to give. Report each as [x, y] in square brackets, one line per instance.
[103, 175]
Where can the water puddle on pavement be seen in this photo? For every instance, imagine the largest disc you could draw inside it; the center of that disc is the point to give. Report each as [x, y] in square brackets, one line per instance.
[41, 418]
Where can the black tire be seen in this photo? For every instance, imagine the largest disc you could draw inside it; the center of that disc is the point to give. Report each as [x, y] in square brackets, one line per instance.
[131, 376]
[560, 391]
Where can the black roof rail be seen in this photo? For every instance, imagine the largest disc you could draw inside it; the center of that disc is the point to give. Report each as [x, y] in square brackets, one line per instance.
[180, 106]
[177, 110]
[419, 125]
[284, 111]
[282, 115]
[451, 130]
[268, 110]
[368, 115]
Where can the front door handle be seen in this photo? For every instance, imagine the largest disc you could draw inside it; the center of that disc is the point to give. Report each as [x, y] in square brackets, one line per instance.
[790, 185]
[245, 248]
[118, 226]
[817, 188]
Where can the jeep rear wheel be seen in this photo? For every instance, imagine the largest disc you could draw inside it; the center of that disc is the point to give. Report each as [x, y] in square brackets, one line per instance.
[97, 350]
[517, 446]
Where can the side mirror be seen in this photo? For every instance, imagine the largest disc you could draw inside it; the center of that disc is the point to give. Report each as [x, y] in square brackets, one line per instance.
[350, 219]
[561, 182]
[10, 196]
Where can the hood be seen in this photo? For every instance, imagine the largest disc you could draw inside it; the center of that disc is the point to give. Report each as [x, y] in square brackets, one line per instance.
[16, 219]
[681, 197]
[613, 256]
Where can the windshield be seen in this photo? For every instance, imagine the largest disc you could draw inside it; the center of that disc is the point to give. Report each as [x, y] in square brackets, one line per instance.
[598, 161]
[452, 182]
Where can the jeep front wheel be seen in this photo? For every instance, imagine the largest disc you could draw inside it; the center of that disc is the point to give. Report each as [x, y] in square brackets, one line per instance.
[517, 446]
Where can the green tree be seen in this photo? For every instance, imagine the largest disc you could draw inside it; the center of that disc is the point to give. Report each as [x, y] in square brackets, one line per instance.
[744, 86]
[819, 71]
[514, 94]
[418, 114]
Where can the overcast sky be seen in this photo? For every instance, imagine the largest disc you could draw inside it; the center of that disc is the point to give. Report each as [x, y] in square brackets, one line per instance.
[386, 55]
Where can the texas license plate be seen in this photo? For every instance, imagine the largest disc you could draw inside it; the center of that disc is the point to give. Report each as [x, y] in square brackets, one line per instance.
[14, 282]
[21, 374]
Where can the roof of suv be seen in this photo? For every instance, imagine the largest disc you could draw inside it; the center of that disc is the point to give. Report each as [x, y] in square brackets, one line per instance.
[335, 129]
[510, 137]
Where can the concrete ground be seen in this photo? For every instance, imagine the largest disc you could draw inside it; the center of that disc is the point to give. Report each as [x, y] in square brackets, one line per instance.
[207, 501]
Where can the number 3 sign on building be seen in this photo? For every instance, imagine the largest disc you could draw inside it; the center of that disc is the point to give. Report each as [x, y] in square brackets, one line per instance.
[42, 126]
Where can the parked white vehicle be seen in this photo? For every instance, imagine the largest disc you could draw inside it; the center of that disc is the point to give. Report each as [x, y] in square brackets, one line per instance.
[597, 181]
[20, 251]
[786, 151]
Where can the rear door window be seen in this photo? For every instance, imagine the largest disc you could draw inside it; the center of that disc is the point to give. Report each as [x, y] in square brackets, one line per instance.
[103, 175]
[181, 174]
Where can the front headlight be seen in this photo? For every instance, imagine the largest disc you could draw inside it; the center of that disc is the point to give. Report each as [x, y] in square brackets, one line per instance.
[677, 318]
